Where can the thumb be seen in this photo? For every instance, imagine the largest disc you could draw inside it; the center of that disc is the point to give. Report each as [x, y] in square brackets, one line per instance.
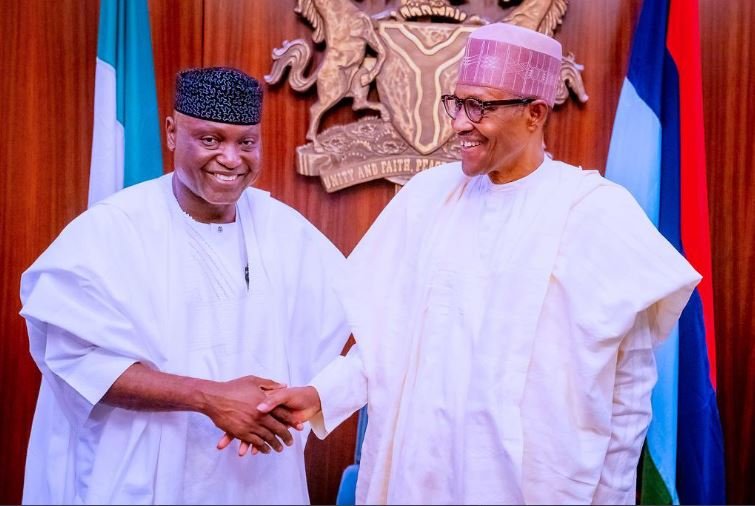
[272, 401]
[272, 385]
[265, 383]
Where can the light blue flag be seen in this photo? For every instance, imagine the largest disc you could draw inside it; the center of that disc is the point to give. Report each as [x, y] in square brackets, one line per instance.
[635, 160]
[126, 135]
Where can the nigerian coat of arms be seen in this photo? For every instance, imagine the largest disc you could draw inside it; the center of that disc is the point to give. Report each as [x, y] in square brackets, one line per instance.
[411, 55]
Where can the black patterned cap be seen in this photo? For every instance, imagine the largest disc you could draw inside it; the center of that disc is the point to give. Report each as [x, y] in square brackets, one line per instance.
[222, 94]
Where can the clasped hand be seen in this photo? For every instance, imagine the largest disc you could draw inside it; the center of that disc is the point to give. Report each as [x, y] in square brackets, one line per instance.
[260, 412]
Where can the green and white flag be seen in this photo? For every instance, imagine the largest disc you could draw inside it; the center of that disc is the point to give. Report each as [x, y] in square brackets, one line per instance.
[126, 135]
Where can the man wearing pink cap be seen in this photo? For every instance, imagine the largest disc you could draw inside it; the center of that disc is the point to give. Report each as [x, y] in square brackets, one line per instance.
[505, 309]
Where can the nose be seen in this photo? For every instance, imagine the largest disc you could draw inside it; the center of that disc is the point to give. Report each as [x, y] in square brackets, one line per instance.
[461, 122]
[229, 157]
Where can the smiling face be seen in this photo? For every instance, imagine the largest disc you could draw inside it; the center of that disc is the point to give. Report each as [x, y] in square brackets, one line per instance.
[213, 163]
[507, 143]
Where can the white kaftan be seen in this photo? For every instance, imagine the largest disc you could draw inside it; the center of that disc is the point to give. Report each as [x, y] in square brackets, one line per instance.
[134, 279]
[504, 339]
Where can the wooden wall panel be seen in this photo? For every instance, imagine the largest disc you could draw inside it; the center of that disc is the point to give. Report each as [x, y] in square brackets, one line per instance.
[599, 35]
[728, 53]
[176, 44]
[46, 98]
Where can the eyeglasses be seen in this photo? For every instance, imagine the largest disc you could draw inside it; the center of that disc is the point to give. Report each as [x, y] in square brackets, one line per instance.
[475, 108]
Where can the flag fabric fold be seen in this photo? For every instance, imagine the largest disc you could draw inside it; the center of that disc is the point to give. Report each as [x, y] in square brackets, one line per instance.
[126, 135]
[657, 152]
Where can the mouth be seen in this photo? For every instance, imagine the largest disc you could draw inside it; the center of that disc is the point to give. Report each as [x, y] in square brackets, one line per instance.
[467, 144]
[225, 178]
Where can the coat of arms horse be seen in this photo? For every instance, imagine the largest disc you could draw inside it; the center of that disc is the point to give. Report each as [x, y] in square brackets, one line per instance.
[346, 69]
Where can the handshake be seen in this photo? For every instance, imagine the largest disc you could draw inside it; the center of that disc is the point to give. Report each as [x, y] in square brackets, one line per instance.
[259, 412]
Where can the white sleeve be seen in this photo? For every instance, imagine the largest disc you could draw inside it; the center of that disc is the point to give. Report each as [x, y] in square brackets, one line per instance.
[90, 370]
[85, 326]
[342, 387]
[631, 414]
[79, 373]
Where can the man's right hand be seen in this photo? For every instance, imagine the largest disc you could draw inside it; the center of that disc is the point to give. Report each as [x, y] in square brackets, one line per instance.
[233, 407]
[291, 406]
[301, 403]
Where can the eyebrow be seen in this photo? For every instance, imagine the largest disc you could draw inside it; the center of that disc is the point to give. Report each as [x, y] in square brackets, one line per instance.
[200, 130]
[483, 99]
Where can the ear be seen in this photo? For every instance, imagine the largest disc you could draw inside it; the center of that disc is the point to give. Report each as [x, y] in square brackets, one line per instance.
[537, 113]
[170, 132]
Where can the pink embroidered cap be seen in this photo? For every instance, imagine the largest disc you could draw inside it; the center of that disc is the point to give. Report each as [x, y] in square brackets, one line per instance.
[514, 59]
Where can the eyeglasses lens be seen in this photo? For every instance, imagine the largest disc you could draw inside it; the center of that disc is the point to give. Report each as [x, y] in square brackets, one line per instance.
[451, 105]
[474, 109]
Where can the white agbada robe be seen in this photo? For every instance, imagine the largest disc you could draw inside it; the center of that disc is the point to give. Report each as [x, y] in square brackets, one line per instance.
[504, 340]
[135, 279]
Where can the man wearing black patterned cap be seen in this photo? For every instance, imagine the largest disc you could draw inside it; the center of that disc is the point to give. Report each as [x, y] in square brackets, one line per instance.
[161, 315]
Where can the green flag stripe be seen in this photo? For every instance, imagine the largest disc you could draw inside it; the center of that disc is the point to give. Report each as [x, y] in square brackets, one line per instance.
[652, 488]
[106, 41]
[125, 43]
[137, 92]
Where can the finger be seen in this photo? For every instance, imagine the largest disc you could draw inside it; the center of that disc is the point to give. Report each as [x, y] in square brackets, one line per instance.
[258, 444]
[243, 448]
[268, 437]
[285, 417]
[224, 441]
[279, 429]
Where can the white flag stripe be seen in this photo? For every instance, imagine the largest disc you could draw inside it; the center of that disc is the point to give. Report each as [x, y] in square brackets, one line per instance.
[106, 167]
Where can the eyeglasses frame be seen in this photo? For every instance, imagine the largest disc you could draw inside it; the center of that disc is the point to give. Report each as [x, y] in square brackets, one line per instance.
[485, 105]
